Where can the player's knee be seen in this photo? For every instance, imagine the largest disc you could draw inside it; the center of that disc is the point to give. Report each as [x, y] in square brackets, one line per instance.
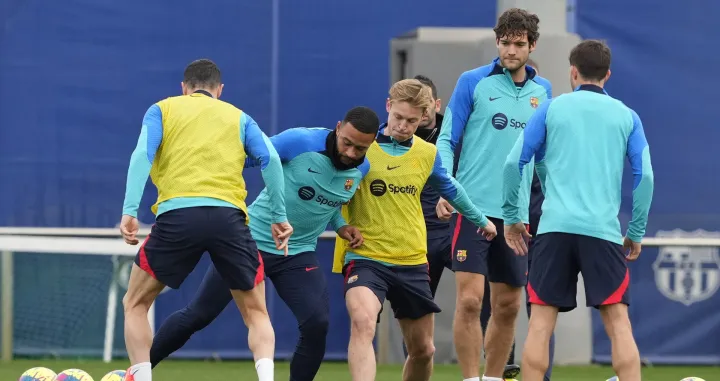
[422, 351]
[469, 303]
[316, 327]
[134, 301]
[506, 306]
[363, 324]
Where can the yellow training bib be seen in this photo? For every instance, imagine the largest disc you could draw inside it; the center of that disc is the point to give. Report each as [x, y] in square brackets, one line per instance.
[386, 207]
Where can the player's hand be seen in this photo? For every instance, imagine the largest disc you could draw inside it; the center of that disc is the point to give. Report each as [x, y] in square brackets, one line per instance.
[516, 236]
[352, 235]
[129, 227]
[489, 231]
[444, 210]
[632, 249]
[281, 233]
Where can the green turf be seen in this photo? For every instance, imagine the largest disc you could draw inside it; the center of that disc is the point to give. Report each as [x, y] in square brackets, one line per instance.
[172, 370]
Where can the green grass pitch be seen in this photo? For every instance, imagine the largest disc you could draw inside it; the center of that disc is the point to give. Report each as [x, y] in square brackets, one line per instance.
[175, 370]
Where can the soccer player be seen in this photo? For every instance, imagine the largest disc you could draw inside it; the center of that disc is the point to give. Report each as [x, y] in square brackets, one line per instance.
[488, 109]
[536, 199]
[580, 141]
[438, 231]
[392, 260]
[322, 170]
[194, 147]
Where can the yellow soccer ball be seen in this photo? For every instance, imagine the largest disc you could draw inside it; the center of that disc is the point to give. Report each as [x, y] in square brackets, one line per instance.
[73, 375]
[115, 375]
[38, 374]
[692, 379]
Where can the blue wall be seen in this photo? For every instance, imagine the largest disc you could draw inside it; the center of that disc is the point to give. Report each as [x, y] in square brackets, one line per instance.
[76, 78]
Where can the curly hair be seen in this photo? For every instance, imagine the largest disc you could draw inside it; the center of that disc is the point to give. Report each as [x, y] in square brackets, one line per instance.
[516, 22]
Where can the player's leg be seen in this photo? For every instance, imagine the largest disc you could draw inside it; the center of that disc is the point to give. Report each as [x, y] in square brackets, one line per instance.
[552, 287]
[301, 284]
[413, 305]
[209, 301]
[528, 306]
[366, 284]
[238, 261]
[507, 275]
[167, 256]
[607, 287]
[469, 252]
[511, 369]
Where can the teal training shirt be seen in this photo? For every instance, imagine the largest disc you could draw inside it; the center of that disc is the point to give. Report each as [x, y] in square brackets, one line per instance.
[580, 141]
[488, 110]
[314, 190]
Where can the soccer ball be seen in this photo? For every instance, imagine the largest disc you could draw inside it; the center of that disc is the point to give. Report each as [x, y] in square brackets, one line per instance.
[692, 379]
[73, 375]
[38, 374]
[115, 375]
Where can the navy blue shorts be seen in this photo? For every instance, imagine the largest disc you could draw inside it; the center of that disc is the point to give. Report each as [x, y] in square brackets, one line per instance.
[557, 258]
[439, 259]
[406, 287]
[472, 253]
[179, 238]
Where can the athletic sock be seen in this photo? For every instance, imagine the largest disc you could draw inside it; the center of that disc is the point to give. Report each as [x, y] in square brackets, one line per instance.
[265, 369]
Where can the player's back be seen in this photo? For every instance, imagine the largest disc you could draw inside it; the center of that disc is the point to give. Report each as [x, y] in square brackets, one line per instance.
[201, 154]
[585, 148]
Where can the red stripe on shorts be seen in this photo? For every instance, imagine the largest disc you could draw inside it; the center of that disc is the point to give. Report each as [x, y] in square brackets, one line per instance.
[348, 270]
[533, 296]
[144, 264]
[617, 296]
[456, 234]
[260, 274]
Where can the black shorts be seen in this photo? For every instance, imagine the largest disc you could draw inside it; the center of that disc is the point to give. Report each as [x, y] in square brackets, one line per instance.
[406, 287]
[472, 253]
[557, 258]
[439, 258]
[179, 238]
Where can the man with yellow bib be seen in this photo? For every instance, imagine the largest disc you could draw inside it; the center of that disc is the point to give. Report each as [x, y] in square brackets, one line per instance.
[194, 147]
[392, 261]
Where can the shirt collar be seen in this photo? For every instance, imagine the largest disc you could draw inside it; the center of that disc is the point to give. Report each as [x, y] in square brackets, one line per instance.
[382, 138]
[593, 88]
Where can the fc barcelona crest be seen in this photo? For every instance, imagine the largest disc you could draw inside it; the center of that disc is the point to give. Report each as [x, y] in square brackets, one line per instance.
[534, 102]
[348, 184]
[461, 255]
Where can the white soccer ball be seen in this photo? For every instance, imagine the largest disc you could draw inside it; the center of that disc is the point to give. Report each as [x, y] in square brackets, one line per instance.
[692, 379]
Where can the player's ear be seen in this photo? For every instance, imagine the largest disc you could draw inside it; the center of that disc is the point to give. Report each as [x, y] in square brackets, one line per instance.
[388, 104]
[438, 105]
[219, 90]
[184, 88]
[532, 46]
[607, 76]
[337, 127]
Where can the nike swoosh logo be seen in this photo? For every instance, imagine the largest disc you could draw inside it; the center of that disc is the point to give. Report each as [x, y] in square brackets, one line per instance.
[310, 268]
[391, 168]
[492, 99]
[311, 171]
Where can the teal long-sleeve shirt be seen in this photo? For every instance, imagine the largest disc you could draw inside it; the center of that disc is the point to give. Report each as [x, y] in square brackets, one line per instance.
[256, 144]
[580, 141]
[488, 111]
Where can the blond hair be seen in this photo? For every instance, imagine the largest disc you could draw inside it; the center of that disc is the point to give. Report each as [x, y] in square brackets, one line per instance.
[413, 92]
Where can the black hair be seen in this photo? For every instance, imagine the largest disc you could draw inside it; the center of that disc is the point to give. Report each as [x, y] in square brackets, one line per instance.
[202, 73]
[592, 59]
[427, 82]
[516, 22]
[363, 119]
